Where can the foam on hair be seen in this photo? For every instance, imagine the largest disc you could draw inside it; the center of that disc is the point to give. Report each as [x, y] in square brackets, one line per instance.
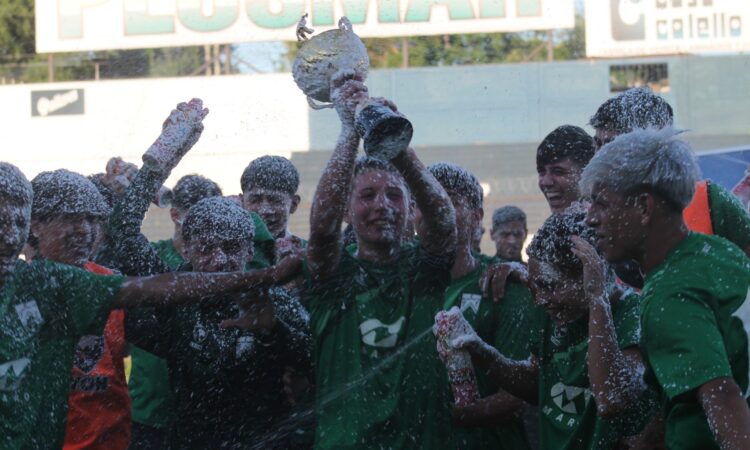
[191, 189]
[651, 159]
[63, 192]
[552, 243]
[458, 181]
[217, 217]
[633, 109]
[274, 173]
[14, 186]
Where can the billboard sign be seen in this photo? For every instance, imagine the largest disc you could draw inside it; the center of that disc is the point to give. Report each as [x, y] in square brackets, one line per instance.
[81, 25]
[56, 103]
[617, 28]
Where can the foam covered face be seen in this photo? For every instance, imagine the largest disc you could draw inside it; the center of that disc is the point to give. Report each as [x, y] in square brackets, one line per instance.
[14, 232]
[69, 238]
[558, 182]
[617, 224]
[217, 254]
[468, 219]
[509, 238]
[274, 207]
[378, 207]
[559, 293]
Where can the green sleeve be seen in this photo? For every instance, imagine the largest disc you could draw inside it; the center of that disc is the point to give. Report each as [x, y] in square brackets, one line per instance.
[627, 321]
[264, 245]
[682, 342]
[88, 298]
[729, 219]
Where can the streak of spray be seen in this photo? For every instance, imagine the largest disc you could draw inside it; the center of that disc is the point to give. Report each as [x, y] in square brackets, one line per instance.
[290, 425]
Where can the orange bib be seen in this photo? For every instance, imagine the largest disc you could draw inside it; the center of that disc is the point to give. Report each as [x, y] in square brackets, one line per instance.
[697, 214]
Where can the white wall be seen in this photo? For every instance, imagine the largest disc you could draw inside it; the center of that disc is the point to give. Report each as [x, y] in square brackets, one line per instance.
[249, 116]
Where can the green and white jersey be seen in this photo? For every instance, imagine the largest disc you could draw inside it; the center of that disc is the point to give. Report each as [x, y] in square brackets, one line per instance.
[513, 326]
[568, 417]
[45, 308]
[379, 380]
[729, 219]
[694, 306]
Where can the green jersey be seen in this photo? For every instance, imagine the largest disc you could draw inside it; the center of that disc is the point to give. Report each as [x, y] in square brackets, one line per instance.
[168, 254]
[513, 327]
[568, 417]
[45, 308]
[694, 305]
[380, 382]
[729, 219]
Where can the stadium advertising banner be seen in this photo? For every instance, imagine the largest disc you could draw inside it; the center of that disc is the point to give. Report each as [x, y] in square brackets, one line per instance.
[80, 25]
[616, 28]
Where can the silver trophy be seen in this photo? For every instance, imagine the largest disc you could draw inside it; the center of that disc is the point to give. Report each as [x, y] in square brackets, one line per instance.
[384, 132]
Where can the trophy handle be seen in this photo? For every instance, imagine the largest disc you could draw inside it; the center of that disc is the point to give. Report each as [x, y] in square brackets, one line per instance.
[345, 24]
[317, 106]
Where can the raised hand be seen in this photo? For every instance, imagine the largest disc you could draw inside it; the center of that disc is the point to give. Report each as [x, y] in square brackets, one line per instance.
[347, 91]
[180, 132]
[594, 271]
[493, 280]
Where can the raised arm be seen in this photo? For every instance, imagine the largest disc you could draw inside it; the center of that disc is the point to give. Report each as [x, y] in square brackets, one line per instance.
[335, 185]
[616, 375]
[180, 132]
[438, 215]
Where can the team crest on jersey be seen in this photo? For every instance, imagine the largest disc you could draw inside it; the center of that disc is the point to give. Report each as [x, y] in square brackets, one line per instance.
[29, 315]
[378, 334]
[11, 374]
[570, 399]
[88, 353]
[470, 301]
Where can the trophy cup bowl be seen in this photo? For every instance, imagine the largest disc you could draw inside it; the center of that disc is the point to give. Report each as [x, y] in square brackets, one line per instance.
[385, 133]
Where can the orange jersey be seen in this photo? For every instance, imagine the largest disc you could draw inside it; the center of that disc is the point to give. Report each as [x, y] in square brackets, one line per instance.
[697, 214]
[99, 403]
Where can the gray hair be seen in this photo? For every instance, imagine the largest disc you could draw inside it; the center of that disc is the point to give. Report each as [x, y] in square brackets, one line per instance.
[652, 160]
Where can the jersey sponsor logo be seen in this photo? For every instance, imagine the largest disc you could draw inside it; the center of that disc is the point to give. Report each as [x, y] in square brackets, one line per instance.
[29, 315]
[11, 374]
[88, 352]
[378, 334]
[570, 399]
[470, 301]
[89, 384]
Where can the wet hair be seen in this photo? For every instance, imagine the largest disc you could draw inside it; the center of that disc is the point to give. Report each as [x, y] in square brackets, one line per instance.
[217, 217]
[191, 189]
[275, 173]
[364, 163]
[458, 181]
[14, 186]
[64, 192]
[507, 214]
[633, 109]
[552, 243]
[566, 142]
[645, 161]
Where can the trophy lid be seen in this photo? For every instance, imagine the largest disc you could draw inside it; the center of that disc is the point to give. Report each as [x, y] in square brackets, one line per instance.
[321, 56]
